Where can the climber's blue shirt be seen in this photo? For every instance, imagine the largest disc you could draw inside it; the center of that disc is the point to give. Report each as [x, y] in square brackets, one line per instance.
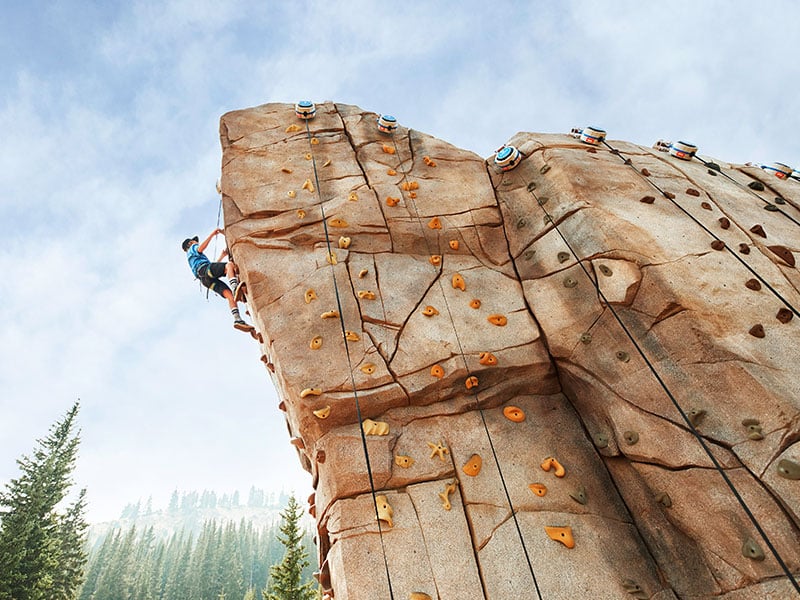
[196, 259]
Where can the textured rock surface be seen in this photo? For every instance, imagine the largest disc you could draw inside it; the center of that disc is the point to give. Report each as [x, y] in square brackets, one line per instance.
[600, 292]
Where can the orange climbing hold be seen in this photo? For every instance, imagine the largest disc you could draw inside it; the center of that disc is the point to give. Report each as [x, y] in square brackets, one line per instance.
[429, 311]
[437, 371]
[459, 283]
[387, 149]
[392, 201]
[474, 303]
[453, 244]
[435, 223]
[499, 320]
[551, 463]
[561, 534]
[488, 359]
[473, 466]
[436, 260]
[409, 185]
[515, 414]
[471, 382]
[539, 489]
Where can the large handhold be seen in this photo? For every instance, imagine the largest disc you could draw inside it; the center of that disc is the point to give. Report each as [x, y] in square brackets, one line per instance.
[305, 110]
[561, 534]
[371, 427]
[385, 511]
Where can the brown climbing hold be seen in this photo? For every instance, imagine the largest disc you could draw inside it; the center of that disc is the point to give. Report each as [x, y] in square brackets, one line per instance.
[605, 270]
[474, 303]
[757, 330]
[756, 185]
[285, 170]
[724, 222]
[705, 206]
[551, 463]
[499, 320]
[623, 356]
[539, 489]
[645, 172]
[392, 201]
[471, 382]
[758, 230]
[561, 534]
[429, 311]
[634, 589]
[783, 253]
[435, 223]
[458, 282]
[692, 192]
[744, 248]
[316, 343]
[669, 195]
[473, 466]
[718, 245]
[544, 169]
[570, 282]
[282, 406]
[487, 358]
[437, 371]
[696, 415]
[784, 315]
[435, 260]
[387, 149]
[753, 284]
[592, 150]
[514, 414]
[664, 500]
[453, 244]
[563, 257]
[600, 440]
[298, 443]
[648, 199]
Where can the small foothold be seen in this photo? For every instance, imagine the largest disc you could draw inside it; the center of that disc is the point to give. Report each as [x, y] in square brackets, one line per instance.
[664, 500]
[427, 160]
[487, 358]
[282, 406]
[784, 315]
[392, 201]
[744, 248]
[471, 382]
[323, 413]
[391, 172]
[291, 193]
[634, 589]
[301, 214]
[474, 303]
[542, 201]
[453, 244]
[445, 495]
[351, 336]
[561, 534]
[758, 230]
[285, 170]
[783, 253]
[755, 435]
[401, 460]
[771, 207]
[310, 392]
[316, 343]
[385, 512]
[499, 320]
[438, 449]
[473, 466]
[692, 192]
[429, 311]
[757, 331]
[570, 282]
[327, 163]
[366, 295]
[586, 338]
[563, 257]
[711, 172]
[724, 222]
[756, 185]
[387, 149]
[435, 223]
[419, 596]
[528, 254]
[412, 195]
[330, 257]
[718, 245]
[409, 185]
[623, 356]
[600, 440]
[307, 185]
[352, 197]
[551, 463]
[344, 242]
[645, 172]
[458, 282]
[544, 169]
[330, 314]
[292, 128]
[713, 166]
[579, 495]
[531, 186]
[298, 443]
[371, 427]
[751, 550]
[547, 219]
[435, 260]
[363, 273]
[522, 222]
[514, 414]
[630, 437]
[605, 270]
[437, 371]
[788, 469]
[314, 142]
[308, 156]
[696, 415]
[669, 195]
[705, 206]
[753, 284]
[310, 295]
[648, 199]
[368, 368]
[539, 489]
[337, 222]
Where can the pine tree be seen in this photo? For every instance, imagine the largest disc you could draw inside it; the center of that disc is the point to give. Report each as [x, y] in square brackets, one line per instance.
[41, 550]
[285, 577]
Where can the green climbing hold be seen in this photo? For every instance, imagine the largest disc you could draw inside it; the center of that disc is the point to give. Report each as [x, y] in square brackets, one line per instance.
[630, 437]
[788, 469]
[601, 440]
[563, 257]
[579, 495]
[696, 415]
[751, 550]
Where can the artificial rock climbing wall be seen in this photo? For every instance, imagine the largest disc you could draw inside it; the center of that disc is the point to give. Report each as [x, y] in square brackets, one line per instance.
[521, 342]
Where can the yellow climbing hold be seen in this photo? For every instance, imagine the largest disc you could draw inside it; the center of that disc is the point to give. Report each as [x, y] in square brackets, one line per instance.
[435, 223]
[344, 242]
[292, 128]
[387, 149]
[368, 368]
[409, 185]
[307, 185]
[291, 193]
[438, 449]
[419, 596]
[385, 512]
[331, 257]
[473, 466]
[366, 295]
[362, 273]
[310, 392]
[310, 295]
[551, 463]
[375, 427]
[539, 489]
[453, 244]
[401, 460]
[435, 260]
[561, 534]
[314, 141]
[331, 314]
[316, 343]
[437, 371]
[353, 197]
[429, 311]
[327, 163]
[286, 170]
[308, 156]
[445, 495]
[323, 413]
[351, 336]
[458, 282]
[301, 214]
[337, 222]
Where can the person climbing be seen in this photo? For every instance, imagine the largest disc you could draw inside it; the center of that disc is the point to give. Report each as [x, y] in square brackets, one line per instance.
[209, 274]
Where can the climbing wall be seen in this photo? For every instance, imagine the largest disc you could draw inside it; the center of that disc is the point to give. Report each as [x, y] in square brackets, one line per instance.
[577, 378]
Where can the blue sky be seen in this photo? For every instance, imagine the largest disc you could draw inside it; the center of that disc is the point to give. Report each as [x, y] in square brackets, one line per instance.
[110, 114]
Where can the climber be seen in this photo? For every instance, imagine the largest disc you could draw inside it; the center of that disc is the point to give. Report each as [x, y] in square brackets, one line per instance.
[209, 274]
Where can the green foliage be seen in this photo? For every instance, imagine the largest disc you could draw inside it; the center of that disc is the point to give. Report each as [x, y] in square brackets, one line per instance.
[285, 578]
[41, 547]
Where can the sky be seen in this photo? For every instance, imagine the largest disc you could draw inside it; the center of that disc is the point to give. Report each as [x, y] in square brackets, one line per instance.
[110, 154]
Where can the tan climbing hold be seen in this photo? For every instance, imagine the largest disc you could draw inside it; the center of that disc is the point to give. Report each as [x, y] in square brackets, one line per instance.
[390, 201]
[352, 197]
[391, 172]
[551, 463]
[368, 368]
[499, 320]
[471, 382]
[437, 371]
[351, 336]
[337, 222]
[323, 413]
[310, 295]
[435, 223]
[419, 596]
[435, 260]
[366, 295]
[458, 282]
[385, 511]
[453, 244]
[308, 156]
[488, 359]
[387, 149]
[515, 414]
[301, 214]
[285, 170]
[330, 314]
[363, 273]
[401, 460]
[438, 449]
[314, 142]
[539, 489]
[427, 160]
[307, 185]
[316, 343]
[344, 242]
[291, 193]
[292, 128]
[330, 257]
[408, 186]
[371, 427]
[310, 392]
[429, 311]
[474, 303]
[473, 466]
[561, 534]
[327, 163]
[445, 495]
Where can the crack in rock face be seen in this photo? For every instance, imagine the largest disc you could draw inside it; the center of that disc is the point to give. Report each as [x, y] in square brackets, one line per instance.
[592, 308]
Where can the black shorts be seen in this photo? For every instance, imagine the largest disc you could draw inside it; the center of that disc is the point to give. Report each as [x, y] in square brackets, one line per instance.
[210, 275]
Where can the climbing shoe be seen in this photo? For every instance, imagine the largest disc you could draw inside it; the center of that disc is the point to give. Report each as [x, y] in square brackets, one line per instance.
[242, 326]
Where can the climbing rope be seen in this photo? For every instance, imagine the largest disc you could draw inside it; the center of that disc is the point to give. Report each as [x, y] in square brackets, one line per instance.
[349, 361]
[669, 393]
[474, 390]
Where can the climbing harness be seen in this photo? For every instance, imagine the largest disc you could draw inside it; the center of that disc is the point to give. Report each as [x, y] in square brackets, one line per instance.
[349, 360]
[387, 124]
[507, 158]
[305, 109]
[471, 380]
[780, 170]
